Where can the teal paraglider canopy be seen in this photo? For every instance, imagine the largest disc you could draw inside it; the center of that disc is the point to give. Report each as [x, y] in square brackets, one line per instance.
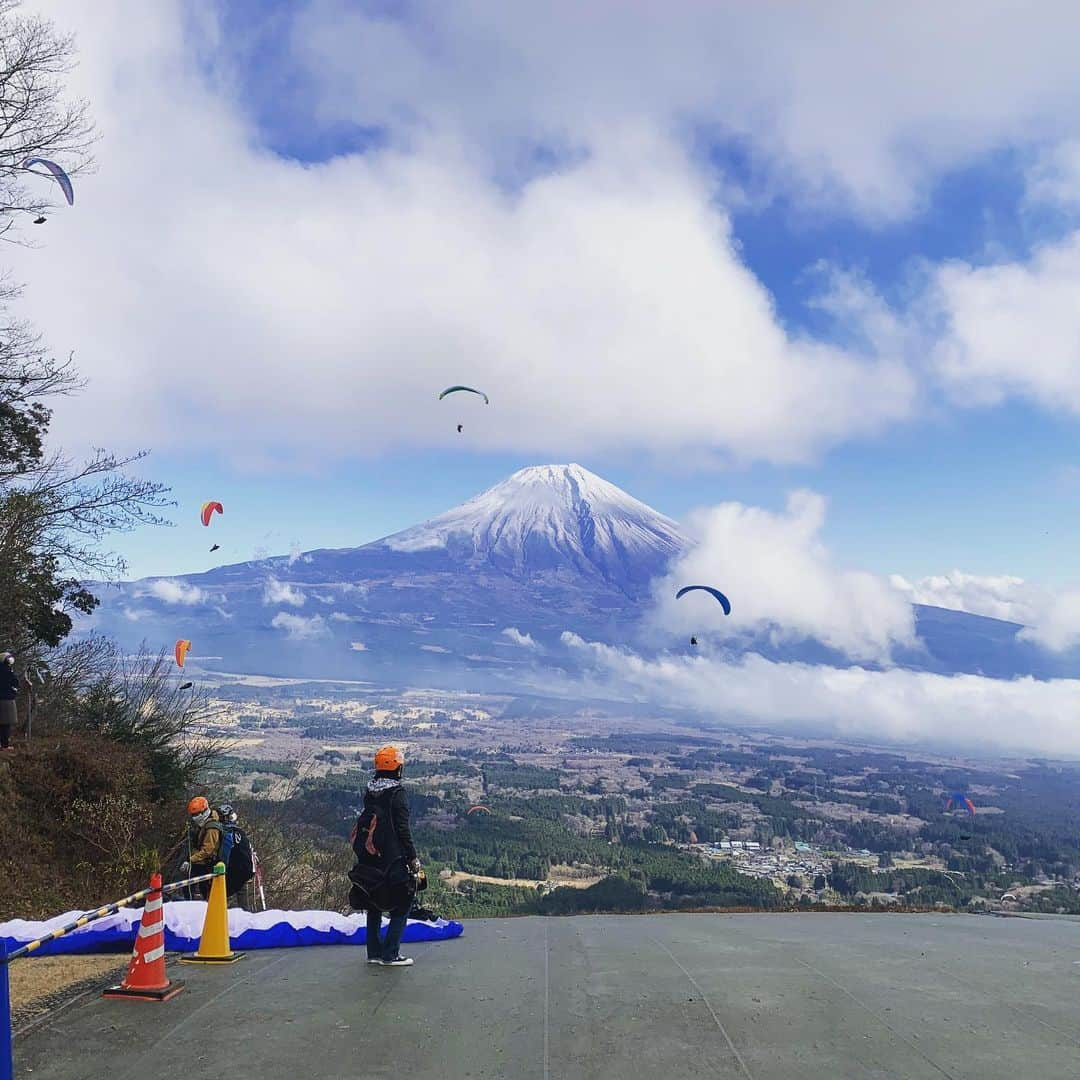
[466, 389]
[725, 603]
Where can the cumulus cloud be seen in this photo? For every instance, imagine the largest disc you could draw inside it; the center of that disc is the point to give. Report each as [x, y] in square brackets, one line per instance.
[617, 261]
[299, 628]
[1011, 328]
[342, 616]
[1051, 618]
[823, 96]
[171, 591]
[358, 646]
[282, 592]
[781, 581]
[1002, 597]
[893, 705]
[526, 641]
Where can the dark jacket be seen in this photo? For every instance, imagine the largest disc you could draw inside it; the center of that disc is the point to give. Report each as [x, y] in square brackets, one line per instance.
[384, 822]
[9, 682]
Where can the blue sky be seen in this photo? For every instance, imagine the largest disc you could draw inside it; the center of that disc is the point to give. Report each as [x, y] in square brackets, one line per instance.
[400, 196]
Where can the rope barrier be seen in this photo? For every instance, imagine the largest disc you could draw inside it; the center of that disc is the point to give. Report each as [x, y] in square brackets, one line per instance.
[100, 913]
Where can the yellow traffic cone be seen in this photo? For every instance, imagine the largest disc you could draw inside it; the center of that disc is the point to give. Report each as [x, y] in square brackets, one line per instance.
[214, 945]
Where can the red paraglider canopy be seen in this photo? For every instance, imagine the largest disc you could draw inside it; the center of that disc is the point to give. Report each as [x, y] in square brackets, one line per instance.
[208, 510]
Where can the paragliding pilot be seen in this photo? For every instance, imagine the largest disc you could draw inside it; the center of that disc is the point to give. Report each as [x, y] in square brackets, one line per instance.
[387, 872]
[204, 842]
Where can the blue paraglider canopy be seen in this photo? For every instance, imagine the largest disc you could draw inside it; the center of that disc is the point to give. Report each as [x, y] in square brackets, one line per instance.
[725, 603]
[58, 173]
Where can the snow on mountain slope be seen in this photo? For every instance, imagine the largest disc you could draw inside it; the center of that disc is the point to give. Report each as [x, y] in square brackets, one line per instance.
[548, 517]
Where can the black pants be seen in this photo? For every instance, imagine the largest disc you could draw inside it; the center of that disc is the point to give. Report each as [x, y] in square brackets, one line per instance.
[5, 736]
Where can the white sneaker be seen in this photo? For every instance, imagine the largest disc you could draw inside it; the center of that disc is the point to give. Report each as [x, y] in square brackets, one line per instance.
[374, 960]
[398, 961]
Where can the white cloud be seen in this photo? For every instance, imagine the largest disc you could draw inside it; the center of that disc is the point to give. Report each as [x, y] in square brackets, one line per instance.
[282, 592]
[1051, 618]
[136, 614]
[341, 616]
[591, 278]
[865, 102]
[171, 591]
[358, 646]
[1003, 597]
[781, 580]
[526, 641]
[434, 648]
[298, 628]
[296, 554]
[894, 705]
[1054, 179]
[1011, 329]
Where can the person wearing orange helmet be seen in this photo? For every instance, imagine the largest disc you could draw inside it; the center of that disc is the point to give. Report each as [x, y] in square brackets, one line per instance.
[386, 858]
[204, 842]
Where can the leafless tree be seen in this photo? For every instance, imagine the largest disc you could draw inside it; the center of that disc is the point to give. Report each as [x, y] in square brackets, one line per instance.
[37, 118]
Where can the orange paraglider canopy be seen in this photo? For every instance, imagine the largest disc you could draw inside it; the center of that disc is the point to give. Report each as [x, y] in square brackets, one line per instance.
[181, 651]
[473, 809]
[208, 508]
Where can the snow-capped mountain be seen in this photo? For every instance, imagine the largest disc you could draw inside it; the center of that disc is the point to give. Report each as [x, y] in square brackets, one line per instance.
[552, 517]
[473, 595]
[484, 587]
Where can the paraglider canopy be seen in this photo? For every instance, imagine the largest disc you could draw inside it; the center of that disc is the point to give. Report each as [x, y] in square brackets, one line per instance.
[209, 509]
[59, 175]
[466, 389]
[180, 651]
[959, 801]
[725, 603]
[474, 809]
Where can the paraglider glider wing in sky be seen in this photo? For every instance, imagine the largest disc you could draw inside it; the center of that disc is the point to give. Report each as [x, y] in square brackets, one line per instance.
[59, 175]
[181, 651]
[209, 509]
[725, 603]
[466, 389]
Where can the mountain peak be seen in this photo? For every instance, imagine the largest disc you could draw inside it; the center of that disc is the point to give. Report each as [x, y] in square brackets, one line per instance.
[547, 517]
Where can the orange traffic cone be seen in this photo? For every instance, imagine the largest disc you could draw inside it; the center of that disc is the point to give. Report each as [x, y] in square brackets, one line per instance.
[146, 979]
[214, 947]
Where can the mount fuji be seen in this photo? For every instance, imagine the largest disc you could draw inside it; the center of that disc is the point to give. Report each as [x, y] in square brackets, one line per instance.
[478, 595]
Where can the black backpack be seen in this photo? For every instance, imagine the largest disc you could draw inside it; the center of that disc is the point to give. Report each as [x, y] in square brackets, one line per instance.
[237, 857]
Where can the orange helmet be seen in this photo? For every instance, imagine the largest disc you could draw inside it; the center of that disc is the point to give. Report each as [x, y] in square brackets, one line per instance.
[197, 805]
[388, 758]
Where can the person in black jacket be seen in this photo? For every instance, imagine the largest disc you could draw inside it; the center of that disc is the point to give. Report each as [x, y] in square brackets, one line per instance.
[384, 849]
[9, 691]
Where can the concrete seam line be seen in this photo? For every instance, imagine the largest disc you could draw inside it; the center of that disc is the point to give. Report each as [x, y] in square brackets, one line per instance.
[708, 1005]
[1009, 1005]
[547, 1008]
[880, 1019]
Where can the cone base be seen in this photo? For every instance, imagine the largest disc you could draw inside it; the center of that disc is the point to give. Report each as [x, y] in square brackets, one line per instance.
[164, 994]
[195, 958]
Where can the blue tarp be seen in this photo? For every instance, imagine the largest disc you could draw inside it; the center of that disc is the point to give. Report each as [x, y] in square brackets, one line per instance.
[183, 926]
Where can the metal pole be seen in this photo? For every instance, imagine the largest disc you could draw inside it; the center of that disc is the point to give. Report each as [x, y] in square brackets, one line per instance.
[7, 1061]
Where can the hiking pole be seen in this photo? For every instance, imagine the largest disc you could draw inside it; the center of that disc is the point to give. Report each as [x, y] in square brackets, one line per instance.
[257, 881]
